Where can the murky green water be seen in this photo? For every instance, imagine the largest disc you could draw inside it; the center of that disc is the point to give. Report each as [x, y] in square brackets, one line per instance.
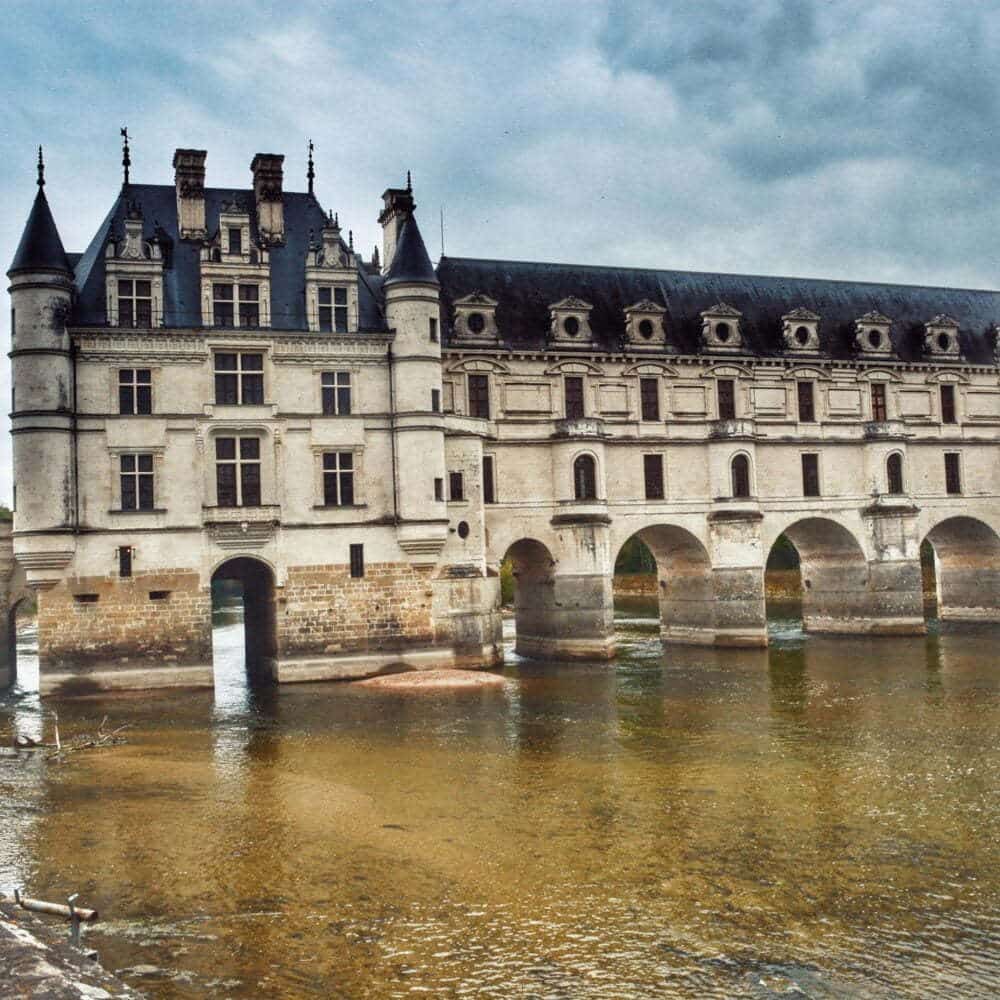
[821, 819]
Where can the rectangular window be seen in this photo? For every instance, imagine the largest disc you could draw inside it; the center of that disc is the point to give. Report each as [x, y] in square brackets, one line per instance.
[810, 475]
[649, 396]
[135, 303]
[332, 309]
[125, 561]
[249, 305]
[237, 471]
[807, 407]
[239, 379]
[456, 486]
[338, 478]
[952, 473]
[235, 240]
[222, 305]
[489, 482]
[948, 404]
[573, 388]
[652, 469]
[438, 488]
[879, 409]
[433, 328]
[136, 482]
[336, 390]
[135, 391]
[357, 561]
[726, 391]
[479, 396]
[436, 400]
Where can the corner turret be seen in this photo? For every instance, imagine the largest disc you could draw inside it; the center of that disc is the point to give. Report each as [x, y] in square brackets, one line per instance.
[40, 248]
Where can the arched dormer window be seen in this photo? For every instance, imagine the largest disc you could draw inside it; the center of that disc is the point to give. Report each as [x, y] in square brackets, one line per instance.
[585, 477]
[894, 473]
[741, 476]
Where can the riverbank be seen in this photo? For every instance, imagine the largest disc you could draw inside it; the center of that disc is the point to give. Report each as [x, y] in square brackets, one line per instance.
[39, 962]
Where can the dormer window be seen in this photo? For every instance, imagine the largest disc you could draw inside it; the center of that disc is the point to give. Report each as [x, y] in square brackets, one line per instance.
[235, 274]
[475, 319]
[941, 337]
[570, 321]
[800, 329]
[332, 308]
[644, 324]
[135, 303]
[871, 334]
[720, 328]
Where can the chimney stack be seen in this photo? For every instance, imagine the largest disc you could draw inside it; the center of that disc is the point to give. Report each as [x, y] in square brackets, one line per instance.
[399, 207]
[267, 179]
[189, 181]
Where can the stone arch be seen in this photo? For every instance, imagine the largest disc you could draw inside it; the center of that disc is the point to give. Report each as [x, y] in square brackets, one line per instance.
[9, 674]
[684, 583]
[585, 475]
[533, 569]
[895, 473]
[257, 581]
[834, 572]
[966, 569]
[741, 476]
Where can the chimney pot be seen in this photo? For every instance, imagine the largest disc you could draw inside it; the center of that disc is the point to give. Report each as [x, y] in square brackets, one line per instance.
[267, 191]
[189, 182]
[399, 206]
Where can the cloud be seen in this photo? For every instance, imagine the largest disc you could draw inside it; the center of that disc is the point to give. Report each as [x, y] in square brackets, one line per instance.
[849, 139]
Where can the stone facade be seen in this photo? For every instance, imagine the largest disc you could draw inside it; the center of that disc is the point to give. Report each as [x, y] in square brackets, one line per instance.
[221, 388]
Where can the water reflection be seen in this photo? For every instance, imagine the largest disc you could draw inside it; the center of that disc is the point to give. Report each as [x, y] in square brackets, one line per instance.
[812, 819]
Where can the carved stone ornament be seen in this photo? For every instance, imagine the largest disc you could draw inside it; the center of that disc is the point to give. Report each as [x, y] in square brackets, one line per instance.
[644, 324]
[569, 321]
[476, 319]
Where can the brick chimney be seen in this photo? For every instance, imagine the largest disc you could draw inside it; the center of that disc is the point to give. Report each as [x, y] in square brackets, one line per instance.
[398, 207]
[267, 178]
[189, 180]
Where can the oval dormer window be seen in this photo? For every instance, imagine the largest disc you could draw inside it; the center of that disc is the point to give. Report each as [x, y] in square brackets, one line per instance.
[722, 332]
[476, 323]
[646, 329]
[944, 341]
[571, 325]
[875, 338]
[802, 336]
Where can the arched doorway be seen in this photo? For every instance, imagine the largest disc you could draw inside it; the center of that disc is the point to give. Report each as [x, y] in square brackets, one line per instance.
[527, 583]
[683, 575]
[243, 594]
[833, 572]
[21, 667]
[961, 560]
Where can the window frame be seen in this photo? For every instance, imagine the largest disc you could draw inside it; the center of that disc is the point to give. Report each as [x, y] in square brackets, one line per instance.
[489, 479]
[336, 392]
[356, 560]
[725, 398]
[805, 399]
[880, 402]
[140, 482]
[241, 375]
[334, 315]
[949, 403]
[336, 475]
[579, 404]
[134, 298]
[584, 488]
[953, 485]
[805, 458]
[482, 381]
[649, 398]
[238, 303]
[134, 387]
[890, 476]
[239, 463]
[655, 486]
[741, 483]
[456, 478]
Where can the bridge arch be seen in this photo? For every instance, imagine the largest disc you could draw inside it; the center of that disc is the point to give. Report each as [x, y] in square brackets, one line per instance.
[20, 603]
[533, 570]
[966, 569]
[256, 581]
[834, 572]
[684, 582]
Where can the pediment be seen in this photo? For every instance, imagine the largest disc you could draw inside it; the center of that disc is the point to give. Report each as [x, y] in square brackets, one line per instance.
[721, 310]
[806, 371]
[571, 304]
[875, 318]
[476, 299]
[650, 368]
[802, 315]
[942, 319]
[645, 306]
[727, 371]
[574, 368]
[478, 365]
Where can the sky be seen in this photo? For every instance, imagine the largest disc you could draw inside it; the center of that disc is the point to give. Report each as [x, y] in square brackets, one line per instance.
[828, 139]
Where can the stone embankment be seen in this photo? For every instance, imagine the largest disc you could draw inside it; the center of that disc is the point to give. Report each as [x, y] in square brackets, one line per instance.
[38, 962]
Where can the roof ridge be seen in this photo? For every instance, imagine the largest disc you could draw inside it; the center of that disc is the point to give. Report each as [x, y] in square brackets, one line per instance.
[719, 274]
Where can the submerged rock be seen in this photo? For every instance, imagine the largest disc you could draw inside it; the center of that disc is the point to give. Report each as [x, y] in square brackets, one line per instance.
[434, 680]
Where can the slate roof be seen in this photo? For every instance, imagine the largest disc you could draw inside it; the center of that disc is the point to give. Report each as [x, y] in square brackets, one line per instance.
[410, 262]
[40, 247]
[181, 276]
[525, 290]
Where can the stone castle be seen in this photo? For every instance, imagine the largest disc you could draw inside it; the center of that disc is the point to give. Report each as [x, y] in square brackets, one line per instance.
[219, 387]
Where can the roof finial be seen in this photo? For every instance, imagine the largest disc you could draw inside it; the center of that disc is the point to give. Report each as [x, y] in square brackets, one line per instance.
[126, 159]
[336, 220]
[41, 169]
[350, 240]
[310, 173]
[409, 183]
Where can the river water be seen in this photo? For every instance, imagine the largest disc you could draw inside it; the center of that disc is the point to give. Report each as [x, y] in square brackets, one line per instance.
[819, 819]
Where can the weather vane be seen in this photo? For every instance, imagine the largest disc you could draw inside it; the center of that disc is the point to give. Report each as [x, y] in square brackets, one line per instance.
[41, 169]
[310, 173]
[126, 158]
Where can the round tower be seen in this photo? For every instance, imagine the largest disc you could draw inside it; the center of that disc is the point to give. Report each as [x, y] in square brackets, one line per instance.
[413, 311]
[41, 294]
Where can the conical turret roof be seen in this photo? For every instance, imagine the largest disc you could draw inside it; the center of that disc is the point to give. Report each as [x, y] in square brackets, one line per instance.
[410, 261]
[40, 247]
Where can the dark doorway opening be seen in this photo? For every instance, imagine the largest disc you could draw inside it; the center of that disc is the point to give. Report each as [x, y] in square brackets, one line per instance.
[244, 623]
[21, 667]
[783, 585]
